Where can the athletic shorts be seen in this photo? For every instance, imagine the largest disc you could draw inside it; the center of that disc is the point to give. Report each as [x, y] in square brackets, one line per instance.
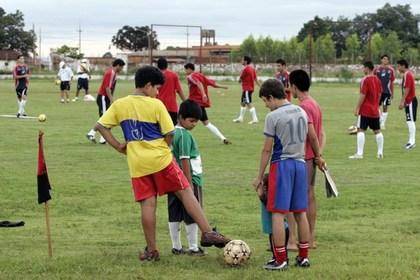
[65, 85]
[246, 97]
[170, 179]
[385, 99]
[287, 186]
[82, 84]
[174, 117]
[365, 122]
[411, 110]
[21, 91]
[103, 104]
[176, 210]
[204, 115]
[311, 171]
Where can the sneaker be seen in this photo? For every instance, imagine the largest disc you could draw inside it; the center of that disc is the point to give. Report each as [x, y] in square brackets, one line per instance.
[253, 122]
[24, 115]
[227, 141]
[213, 238]
[379, 156]
[273, 265]
[102, 140]
[409, 146]
[178, 251]
[68, 100]
[149, 255]
[75, 99]
[302, 262]
[18, 115]
[356, 156]
[198, 253]
[91, 138]
[62, 101]
[238, 120]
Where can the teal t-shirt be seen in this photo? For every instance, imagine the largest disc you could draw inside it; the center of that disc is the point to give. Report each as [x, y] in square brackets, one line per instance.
[185, 147]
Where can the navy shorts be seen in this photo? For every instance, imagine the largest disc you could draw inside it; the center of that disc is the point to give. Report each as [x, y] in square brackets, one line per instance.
[82, 84]
[103, 104]
[246, 97]
[287, 186]
[385, 99]
[65, 85]
[411, 110]
[21, 91]
[365, 122]
[204, 116]
[176, 210]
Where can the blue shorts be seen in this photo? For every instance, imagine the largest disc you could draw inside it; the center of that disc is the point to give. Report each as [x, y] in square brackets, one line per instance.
[267, 222]
[287, 186]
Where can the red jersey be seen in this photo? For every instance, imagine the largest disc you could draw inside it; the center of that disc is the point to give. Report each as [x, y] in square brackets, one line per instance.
[20, 70]
[109, 80]
[408, 84]
[371, 88]
[195, 93]
[284, 78]
[248, 77]
[313, 111]
[167, 92]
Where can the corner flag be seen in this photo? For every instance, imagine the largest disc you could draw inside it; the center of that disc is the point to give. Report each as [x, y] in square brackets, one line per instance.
[43, 182]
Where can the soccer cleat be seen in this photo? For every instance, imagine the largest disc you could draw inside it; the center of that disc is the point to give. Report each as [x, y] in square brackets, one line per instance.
[238, 120]
[178, 251]
[18, 115]
[379, 156]
[149, 255]
[273, 265]
[24, 115]
[102, 140]
[356, 156]
[61, 100]
[68, 100]
[213, 238]
[302, 262]
[91, 138]
[253, 122]
[409, 146]
[75, 99]
[198, 253]
[226, 141]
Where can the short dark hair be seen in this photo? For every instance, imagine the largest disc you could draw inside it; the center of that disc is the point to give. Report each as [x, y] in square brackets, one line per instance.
[281, 61]
[247, 59]
[148, 74]
[162, 63]
[119, 62]
[189, 109]
[300, 79]
[384, 55]
[403, 62]
[189, 66]
[368, 64]
[19, 56]
[272, 87]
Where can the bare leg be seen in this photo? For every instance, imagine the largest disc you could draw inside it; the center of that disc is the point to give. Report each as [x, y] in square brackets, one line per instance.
[194, 209]
[279, 236]
[148, 221]
[291, 245]
[303, 226]
[311, 215]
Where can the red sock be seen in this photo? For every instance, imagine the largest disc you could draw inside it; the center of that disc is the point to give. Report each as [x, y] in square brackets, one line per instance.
[280, 253]
[303, 249]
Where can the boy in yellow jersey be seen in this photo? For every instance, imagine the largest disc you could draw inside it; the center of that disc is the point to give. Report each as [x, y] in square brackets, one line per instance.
[148, 132]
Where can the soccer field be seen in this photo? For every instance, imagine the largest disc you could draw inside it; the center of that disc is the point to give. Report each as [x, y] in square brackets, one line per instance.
[371, 231]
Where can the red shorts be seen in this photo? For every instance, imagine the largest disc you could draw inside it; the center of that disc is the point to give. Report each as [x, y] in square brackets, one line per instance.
[170, 179]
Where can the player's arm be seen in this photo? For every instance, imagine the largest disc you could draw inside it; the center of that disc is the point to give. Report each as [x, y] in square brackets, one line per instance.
[359, 103]
[216, 85]
[110, 139]
[265, 158]
[313, 140]
[168, 138]
[405, 90]
[185, 165]
[201, 89]
[109, 94]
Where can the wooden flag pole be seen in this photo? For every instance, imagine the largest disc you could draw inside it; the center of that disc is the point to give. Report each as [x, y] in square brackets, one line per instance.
[47, 220]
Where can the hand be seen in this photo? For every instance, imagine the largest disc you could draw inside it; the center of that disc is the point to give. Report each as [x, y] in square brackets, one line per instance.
[205, 98]
[122, 148]
[401, 106]
[320, 162]
[356, 112]
[258, 182]
[260, 191]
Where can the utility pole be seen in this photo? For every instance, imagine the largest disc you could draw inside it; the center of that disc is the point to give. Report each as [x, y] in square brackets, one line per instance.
[80, 39]
[188, 38]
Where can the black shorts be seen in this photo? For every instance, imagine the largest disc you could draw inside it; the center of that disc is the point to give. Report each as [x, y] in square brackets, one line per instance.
[204, 115]
[246, 97]
[176, 210]
[65, 85]
[174, 117]
[21, 91]
[82, 84]
[385, 99]
[103, 104]
[411, 110]
[365, 122]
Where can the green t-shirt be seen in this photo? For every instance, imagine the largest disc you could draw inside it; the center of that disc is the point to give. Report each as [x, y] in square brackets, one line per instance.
[185, 147]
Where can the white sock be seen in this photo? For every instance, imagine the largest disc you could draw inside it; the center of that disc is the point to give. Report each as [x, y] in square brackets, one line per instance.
[19, 107]
[384, 116]
[23, 103]
[215, 131]
[411, 132]
[192, 233]
[92, 132]
[242, 113]
[175, 233]
[360, 142]
[380, 143]
[253, 114]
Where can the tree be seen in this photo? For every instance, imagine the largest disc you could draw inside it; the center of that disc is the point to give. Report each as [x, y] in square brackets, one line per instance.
[248, 47]
[317, 27]
[340, 30]
[377, 47]
[352, 47]
[12, 35]
[135, 38]
[325, 49]
[67, 51]
[265, 49]
[392, 46]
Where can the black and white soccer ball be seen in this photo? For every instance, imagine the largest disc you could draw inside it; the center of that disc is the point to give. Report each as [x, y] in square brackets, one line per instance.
[236, 252]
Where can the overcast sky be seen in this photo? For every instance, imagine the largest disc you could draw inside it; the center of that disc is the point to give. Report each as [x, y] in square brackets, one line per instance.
[233, 20]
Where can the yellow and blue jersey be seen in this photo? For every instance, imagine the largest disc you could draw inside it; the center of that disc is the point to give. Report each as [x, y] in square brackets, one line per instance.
[144, 122]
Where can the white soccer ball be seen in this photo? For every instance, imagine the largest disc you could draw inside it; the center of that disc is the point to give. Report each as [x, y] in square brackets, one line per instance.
[352, 129]
[236, 252]
[42, 118]
[89, 98]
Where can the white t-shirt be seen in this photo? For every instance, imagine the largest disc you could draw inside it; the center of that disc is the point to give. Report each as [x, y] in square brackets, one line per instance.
[65, 74]
[83, 72]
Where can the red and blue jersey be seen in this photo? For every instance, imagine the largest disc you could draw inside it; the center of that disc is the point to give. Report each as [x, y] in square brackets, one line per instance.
[387, 76]
[20, 70]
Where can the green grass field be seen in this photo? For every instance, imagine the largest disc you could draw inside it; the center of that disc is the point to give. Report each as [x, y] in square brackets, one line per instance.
[371, 231]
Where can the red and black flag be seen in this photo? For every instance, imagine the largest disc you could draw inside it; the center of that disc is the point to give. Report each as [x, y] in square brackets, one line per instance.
[43, 182]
